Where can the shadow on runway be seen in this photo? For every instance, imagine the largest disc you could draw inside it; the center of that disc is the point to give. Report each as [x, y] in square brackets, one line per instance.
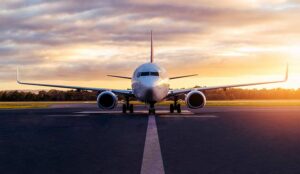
[160, 113]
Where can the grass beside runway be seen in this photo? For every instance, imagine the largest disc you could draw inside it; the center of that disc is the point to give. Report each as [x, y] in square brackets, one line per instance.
[237, 103]
[32, 105]
[23, 105]
[246, 103]
[255, 103]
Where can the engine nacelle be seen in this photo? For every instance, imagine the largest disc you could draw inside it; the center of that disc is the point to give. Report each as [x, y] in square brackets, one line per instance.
[107, 100]
[195, 100]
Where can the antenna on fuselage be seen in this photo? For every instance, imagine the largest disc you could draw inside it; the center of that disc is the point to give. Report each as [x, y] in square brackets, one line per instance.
[151, 57]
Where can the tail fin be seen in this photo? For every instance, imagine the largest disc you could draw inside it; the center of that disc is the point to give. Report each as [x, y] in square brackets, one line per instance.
[151, 58]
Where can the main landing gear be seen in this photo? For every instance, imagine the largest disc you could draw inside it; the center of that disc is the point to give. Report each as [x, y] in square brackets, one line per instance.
[176, 106]
[127, 107]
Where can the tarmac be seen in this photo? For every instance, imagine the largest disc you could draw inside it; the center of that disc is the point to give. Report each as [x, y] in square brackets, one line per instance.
[80, 138]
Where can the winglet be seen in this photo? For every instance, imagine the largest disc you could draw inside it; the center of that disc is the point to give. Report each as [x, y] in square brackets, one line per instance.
[18, 79]
[287, 73]
[18, 76]
[151, 57]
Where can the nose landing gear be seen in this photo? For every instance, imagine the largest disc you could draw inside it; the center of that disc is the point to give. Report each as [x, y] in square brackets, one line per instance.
[151, 109]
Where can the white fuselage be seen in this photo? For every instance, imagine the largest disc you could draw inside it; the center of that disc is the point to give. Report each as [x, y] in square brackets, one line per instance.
[150, 83]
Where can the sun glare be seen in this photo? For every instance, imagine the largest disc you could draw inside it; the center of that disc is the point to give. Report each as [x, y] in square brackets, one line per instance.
[294, 52]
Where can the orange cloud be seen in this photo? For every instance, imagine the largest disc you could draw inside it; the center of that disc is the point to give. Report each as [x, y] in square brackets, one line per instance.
[224, 41]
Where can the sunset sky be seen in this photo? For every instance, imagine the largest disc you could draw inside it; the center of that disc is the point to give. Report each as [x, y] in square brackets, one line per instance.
[73, 42]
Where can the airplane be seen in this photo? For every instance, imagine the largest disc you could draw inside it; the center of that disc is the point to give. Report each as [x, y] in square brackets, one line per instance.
[150, 84]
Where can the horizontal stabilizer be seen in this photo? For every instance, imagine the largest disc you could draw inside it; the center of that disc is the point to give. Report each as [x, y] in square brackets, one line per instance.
[179, 77]
[121, 77]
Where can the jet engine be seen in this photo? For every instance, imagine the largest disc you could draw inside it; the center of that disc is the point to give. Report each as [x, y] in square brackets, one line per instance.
[195, 100]
[107, 100]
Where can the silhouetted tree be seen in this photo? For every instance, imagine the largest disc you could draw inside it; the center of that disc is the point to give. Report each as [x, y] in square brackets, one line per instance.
[230, 94]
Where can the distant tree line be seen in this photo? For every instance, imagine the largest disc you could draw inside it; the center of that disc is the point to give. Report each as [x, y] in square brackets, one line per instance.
[230, 94]
[51, 95]
[254, 94]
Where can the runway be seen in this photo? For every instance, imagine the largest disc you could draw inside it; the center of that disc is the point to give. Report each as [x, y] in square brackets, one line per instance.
[84, 139]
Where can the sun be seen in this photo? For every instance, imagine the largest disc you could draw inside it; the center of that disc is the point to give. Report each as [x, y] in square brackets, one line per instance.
[293, 52]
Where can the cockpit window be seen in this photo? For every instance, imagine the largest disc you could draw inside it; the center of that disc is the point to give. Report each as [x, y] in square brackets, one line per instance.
[147, 74]
[154, 74]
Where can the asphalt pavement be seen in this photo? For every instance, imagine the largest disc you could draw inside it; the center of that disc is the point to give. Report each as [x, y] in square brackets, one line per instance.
[83, 139]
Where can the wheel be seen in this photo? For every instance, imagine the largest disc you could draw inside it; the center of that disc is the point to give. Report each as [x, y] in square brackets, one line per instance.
[131, 108]
[178, 108]
[124, 109]
[171, 108]
[151, 111]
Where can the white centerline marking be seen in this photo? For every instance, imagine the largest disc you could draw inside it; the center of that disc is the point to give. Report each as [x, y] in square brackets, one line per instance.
[152, 158]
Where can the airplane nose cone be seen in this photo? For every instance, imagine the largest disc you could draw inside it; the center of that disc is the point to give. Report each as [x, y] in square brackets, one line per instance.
[150, 84]
[150, 90]
[149, 94]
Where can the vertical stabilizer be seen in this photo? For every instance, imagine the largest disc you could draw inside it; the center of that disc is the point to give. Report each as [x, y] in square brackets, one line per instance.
[151, 57]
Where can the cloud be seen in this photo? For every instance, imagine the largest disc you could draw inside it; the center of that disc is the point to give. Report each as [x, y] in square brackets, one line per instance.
[91, 38]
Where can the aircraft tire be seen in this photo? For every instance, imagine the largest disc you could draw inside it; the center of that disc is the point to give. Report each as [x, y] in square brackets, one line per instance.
[151, 111]
[178, 108]
[124, 108]
[171, 108]
[131, 108]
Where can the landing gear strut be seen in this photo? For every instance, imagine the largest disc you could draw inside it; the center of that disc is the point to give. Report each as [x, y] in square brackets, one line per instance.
[127, 107]
[151, 109]
[176, 106]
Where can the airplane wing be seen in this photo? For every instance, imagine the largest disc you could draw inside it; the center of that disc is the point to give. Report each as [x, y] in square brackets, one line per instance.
[184, 91]
[117, 91]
